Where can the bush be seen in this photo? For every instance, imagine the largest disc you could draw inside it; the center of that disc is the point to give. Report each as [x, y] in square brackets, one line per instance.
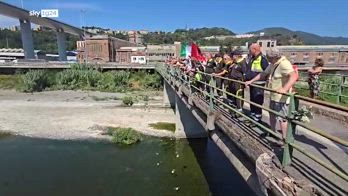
[128, 100]
[125, 136]
[35, 80]
[73, 79]
[147, 80]
[114, 80]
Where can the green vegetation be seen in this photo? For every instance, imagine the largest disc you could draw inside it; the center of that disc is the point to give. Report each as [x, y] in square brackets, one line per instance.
[35, 80]
[4, 134]
[329, 88]
[184, 35]
[10, 81]
[125, 136]
[128, 100]
[82, 77]
[163, 126]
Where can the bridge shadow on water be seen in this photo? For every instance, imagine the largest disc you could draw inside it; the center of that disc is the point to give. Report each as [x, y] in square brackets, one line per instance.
[221, 176]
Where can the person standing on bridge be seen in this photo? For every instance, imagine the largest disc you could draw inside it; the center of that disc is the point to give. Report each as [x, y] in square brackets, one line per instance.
[209, 69]
[220, 71]
[281, 77]
[236, 72]
[257, 64]
[313, 78]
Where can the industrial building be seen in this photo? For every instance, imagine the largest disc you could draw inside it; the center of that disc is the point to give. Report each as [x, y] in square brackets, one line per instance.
[100, 48]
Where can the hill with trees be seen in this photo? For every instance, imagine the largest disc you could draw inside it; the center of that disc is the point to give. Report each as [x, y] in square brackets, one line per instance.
[196, 35]
[288, 37]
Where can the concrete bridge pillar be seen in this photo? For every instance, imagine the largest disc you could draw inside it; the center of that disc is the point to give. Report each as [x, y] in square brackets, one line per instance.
[168, 95]
[27, 39]
[187, 126]
[61, 40]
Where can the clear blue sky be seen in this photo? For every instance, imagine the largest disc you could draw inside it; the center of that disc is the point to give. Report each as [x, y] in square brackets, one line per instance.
[323, 17]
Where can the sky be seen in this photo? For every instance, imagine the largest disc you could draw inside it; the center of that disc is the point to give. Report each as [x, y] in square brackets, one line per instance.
[322, 17]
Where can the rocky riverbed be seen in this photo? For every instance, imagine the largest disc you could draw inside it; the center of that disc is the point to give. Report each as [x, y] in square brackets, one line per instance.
[78, 114]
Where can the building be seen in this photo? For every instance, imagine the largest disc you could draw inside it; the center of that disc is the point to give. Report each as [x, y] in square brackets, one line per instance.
[17, 54]
[135, 55]
[100, 48]
[266, 44]
[135, 37]
[144, 32]
[160, 53]
[331, 54]
[306, 54]
[248, 35]
[210, 49]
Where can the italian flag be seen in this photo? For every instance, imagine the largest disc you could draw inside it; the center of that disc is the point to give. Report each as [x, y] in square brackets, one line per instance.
[191, 50]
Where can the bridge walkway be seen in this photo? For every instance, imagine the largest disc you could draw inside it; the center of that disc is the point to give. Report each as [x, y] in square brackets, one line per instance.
[331, 153]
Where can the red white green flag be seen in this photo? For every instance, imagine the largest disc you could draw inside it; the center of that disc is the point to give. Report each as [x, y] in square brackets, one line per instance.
[191, 50]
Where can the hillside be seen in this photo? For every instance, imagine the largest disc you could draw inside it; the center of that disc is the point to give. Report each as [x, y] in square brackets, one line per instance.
[184, 35]
[284, 34]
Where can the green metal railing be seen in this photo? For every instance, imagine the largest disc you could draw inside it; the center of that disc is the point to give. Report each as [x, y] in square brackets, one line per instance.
[337, 87]
[170, 73]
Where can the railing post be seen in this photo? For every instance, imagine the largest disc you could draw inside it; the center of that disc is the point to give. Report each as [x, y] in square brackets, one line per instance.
[211, 95]
[338, 99]
[287, 153]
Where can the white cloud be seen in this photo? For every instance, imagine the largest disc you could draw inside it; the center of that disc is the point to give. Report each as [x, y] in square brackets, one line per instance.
[7, 21]
[76, 6]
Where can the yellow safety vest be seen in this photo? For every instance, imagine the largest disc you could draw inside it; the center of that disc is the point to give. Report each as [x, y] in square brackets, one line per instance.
[240, 60]
[256, 65]
[198, 76]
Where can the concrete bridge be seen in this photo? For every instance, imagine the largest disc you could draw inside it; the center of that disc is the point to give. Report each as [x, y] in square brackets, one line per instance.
[311, 162]
[25, 20]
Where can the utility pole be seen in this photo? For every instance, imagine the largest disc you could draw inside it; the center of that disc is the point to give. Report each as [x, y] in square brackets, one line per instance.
[22, 4]
[7, 42]
[83, 26]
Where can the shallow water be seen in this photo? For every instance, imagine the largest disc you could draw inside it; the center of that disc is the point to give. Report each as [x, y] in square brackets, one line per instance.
[49, 167]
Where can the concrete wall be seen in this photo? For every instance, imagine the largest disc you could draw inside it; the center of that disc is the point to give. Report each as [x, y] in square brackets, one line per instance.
[186, 125]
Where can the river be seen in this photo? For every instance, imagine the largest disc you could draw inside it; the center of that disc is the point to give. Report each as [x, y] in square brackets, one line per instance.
[30, 166]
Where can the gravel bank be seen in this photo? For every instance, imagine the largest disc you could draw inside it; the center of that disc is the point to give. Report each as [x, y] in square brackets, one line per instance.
[76, 114]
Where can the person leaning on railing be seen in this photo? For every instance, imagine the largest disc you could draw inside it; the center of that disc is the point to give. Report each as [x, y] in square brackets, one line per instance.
[220, 70]
[235, 72]
[281, 77]
[257, 64]
[209, 69]
[313, 78]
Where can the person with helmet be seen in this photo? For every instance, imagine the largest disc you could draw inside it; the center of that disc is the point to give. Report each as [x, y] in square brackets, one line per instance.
[257, 64]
